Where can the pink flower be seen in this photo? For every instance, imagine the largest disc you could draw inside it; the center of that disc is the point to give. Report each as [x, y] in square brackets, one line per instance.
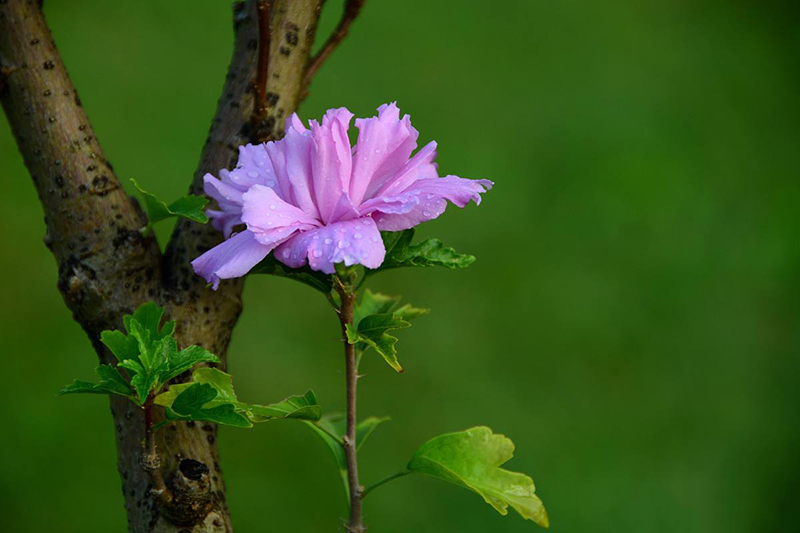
[314, 199]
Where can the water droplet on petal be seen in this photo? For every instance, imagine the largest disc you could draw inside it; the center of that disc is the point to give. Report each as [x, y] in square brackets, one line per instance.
[272, 206]
[317, 253]
[426, 214]
[253, 174]
[357, 236]
[327, 241]
[375, 239]
[343, 244]
[286, 254]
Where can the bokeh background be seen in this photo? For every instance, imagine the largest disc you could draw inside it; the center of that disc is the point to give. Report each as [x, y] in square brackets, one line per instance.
[631, 322]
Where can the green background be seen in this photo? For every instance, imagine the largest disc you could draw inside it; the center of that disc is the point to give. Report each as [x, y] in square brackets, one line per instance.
[631, 322]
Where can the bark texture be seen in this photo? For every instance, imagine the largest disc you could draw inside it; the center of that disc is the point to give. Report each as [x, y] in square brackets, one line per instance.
[106, 268]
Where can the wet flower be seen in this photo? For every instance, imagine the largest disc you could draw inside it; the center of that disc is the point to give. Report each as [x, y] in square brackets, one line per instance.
[314, 200]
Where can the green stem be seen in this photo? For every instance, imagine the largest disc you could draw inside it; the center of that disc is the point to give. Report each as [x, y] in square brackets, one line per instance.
[384, 481]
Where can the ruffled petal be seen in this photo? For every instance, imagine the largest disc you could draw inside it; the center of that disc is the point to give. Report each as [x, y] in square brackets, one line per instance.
[331, 160]
[384, 144]
[231, 259]
[421, 166]
[349, 242]
[272, 220]
[291, 160]
[424, 200]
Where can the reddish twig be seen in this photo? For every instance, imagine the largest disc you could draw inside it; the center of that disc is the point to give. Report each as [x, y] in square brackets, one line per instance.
[261, 106]
[351, 10]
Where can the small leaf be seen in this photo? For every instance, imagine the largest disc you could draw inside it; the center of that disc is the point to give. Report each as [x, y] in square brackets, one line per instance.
[337, 425]
[372, 331]
[365, 428]
[141, 380]
[373, 303]
[302, 407]
[111, 382]
[472, 459]
[189, 206]
[121, 345]
[179, 362]
[430, 252]
[196, 403]
[317, 280]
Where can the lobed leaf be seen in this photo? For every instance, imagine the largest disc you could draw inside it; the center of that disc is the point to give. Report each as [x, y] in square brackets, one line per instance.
[472, 459]
[189, 206]
[430, 252]
[111, 382]
[303, 407]
[196, 403]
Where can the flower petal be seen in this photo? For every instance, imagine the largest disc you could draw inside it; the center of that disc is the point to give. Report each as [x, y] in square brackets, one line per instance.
[424, 200]
[231, 259]
[348, 242]
[384, 144]
[330, 160]
[272, 220]
[421, 166]
[291, 159]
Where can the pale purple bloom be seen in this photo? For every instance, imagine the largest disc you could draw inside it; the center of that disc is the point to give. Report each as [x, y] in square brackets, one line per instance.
[314, 199]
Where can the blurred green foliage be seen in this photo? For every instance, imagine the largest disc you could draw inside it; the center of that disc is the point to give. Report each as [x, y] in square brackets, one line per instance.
[632, 319]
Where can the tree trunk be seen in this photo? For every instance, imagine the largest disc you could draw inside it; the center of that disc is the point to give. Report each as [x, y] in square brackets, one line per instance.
[106, 268]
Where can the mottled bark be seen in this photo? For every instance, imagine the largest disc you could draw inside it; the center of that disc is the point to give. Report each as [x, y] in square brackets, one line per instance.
[106, 268]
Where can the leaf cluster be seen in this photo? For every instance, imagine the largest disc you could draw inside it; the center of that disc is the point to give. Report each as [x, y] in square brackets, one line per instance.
[147, 352]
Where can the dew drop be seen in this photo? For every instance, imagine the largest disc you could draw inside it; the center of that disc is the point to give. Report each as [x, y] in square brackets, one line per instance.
[286, 254]
[343, 244]
[426, 214]
[253, 174]
[327, 241]
[375, 239]
[317, 253]
[272, 206]
[357, 236]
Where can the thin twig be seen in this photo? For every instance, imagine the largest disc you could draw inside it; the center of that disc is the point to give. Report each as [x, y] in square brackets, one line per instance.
[151, 462]
[356, 524]
[351, 10]
[261, 106]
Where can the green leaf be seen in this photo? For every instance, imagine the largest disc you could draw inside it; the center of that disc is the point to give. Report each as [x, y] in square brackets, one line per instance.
[179, 362]
[336, 424]
[303, 407]
[111, 382]
[472, 459]
[372, 331]
[189, 206]
[121, 345]
[196, 403]
[373, 303]
[142, 380]
[430, 252]
[317, 280]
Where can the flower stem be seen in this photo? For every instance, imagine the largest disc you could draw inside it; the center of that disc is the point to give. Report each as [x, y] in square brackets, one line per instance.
[384, 481]
[356, 524]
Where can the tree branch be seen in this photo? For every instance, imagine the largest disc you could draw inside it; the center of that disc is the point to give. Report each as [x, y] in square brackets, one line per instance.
[352, 8]
[107, 267]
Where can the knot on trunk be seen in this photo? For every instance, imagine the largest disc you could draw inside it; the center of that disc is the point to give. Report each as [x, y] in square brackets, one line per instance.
[190, 486]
